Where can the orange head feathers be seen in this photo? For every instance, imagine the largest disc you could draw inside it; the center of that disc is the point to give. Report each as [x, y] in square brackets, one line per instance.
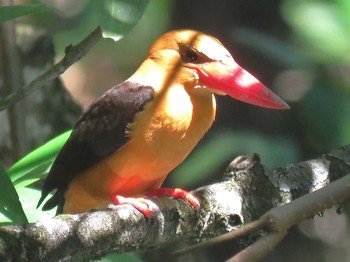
[203, 57]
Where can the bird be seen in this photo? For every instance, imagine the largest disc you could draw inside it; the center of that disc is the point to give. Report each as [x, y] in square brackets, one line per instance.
[132, 136]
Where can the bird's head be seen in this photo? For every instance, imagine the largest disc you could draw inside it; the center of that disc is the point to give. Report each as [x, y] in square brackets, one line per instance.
[203, 58]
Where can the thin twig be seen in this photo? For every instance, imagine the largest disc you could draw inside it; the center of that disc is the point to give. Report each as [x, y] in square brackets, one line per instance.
[283, 217]
[73, 54]
[260, 248]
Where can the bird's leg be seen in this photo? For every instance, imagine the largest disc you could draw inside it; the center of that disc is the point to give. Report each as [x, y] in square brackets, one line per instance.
[139, 203]
[175, 192]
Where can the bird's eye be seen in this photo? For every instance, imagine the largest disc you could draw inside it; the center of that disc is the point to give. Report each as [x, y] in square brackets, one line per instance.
[190, 55]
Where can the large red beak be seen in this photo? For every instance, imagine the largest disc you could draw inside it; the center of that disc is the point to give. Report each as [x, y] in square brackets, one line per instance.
[234, 81]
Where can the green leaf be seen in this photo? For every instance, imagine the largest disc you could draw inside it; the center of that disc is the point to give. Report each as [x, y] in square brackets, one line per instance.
[118, 17]
[29, 198]
[10, 205]
[322, 25]
[38, 159]
[34, 175]
[11, 12]
[344, 8]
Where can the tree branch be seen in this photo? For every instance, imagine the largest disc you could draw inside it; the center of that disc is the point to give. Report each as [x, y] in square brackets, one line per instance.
[278, 220]
[247, 191]
[122, 228]
[294, 183]
[73, 54]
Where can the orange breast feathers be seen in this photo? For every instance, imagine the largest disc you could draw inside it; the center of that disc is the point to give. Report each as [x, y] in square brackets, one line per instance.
[161, 137]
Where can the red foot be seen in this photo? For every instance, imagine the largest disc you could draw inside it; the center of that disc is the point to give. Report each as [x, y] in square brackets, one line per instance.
[175, 192]
[139, 203]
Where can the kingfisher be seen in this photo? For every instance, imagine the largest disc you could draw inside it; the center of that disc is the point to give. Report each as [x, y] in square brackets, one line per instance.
[132, 136]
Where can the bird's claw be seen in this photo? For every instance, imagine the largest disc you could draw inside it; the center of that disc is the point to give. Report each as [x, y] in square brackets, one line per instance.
[177, 193]
[139, 203]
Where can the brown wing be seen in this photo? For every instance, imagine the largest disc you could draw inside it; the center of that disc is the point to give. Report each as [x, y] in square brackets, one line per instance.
[99, 132]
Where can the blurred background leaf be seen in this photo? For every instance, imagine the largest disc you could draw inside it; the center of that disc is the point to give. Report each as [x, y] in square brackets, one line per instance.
[29, 200]
[275, 49]
[12, 12]
[117, 17]
[322, 25]
[222, 147]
